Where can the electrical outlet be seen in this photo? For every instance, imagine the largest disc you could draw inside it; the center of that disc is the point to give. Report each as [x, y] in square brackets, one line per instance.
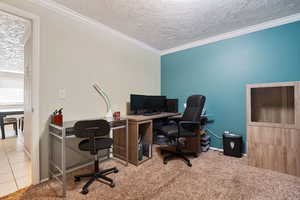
[184, 105]
[226, 132]
[62, 93]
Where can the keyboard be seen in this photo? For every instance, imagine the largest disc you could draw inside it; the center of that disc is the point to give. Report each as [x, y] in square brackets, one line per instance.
[152, 113]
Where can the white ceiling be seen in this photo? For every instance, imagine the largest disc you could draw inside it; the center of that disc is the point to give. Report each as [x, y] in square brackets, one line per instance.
[164, 24]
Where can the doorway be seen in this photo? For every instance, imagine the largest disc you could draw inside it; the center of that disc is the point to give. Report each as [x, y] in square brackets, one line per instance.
[15, 144]
[20, 148]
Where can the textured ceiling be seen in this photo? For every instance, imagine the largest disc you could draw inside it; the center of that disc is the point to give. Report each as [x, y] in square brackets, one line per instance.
[165, 24]
[12, 32]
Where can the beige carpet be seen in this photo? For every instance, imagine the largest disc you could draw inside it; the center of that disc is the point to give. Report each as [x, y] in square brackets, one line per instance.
[213, 176]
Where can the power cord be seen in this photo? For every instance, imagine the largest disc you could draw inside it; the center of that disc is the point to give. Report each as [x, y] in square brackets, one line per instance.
[220, 138]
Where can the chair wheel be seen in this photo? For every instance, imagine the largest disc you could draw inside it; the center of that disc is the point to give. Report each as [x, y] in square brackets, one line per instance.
[76, 179]
[84, 191]
[195, 155]
[116, 171]
[162, 152]
[189, 164]
[165, 162]
[112, 185]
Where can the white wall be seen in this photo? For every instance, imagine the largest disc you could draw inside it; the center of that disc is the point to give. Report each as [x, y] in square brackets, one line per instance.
[75, 55]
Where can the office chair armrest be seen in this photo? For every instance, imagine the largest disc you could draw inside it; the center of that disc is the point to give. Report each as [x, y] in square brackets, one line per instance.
[174, 120]
[189, 122]
[195, 125]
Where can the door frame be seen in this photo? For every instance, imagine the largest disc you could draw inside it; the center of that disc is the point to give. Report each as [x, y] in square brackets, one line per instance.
[35, 20]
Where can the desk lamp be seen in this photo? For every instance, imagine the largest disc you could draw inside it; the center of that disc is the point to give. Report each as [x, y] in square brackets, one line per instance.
[106, 99]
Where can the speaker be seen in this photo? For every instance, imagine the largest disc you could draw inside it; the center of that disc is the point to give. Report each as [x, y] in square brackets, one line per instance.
[172, 105]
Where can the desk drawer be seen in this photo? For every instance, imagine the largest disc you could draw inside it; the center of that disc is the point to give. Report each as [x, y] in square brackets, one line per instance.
[117, 123]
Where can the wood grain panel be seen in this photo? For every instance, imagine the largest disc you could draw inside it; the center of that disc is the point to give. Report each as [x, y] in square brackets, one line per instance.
[119, 147]
[266, 109]
[274, 148]
[297, 106]
[132, 142]
[273, 104]
[289, 114]
[140, 118]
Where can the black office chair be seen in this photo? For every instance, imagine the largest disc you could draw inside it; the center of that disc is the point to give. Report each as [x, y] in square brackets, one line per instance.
[184, 127]
[92, 129]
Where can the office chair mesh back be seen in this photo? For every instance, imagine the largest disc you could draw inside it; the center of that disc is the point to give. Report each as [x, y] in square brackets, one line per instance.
[86, 128]
[193, 110]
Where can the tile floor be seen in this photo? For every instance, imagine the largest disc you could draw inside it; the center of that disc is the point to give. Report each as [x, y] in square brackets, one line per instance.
[15, 166]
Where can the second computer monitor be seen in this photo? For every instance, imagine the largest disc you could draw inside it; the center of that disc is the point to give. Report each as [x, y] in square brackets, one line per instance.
[147, 103]
[155, 103]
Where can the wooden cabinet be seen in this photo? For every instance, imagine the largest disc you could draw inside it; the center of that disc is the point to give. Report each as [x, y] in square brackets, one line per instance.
[141, 130]
[140, 127]
[273, 128]
[137, 131]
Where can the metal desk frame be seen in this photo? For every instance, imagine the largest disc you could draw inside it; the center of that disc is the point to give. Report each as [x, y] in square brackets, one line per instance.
[63, 170]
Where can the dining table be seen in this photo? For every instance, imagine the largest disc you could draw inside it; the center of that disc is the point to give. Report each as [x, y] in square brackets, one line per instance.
[4, 112]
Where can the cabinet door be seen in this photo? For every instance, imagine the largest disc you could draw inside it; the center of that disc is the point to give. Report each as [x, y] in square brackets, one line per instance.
[273, 148]
[297, 105]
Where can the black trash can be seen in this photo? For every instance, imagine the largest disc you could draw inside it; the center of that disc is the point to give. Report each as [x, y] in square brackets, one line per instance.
[232, 144]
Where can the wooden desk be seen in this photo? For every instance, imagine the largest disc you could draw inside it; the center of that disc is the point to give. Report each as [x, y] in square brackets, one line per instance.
[139, 118]
[138, 125]
[6, 112]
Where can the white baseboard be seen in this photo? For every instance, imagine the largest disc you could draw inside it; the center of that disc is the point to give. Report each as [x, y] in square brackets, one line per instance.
[216, 149]
[221, 150]
[27, 152]
[44, 180]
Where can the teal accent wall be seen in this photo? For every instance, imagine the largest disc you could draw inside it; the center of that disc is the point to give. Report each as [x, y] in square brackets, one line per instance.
[221, 70]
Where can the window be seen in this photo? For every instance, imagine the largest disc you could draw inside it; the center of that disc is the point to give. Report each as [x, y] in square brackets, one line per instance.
[12, 32]
[11, 88]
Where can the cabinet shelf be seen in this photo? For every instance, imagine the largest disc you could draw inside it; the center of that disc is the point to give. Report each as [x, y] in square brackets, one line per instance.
[273, 105]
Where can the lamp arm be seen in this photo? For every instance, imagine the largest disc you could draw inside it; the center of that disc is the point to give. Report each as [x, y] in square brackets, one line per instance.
[104, 95]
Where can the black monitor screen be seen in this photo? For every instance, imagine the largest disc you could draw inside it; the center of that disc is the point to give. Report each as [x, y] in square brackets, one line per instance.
[155, 103]
[137, 102]
[143, 103]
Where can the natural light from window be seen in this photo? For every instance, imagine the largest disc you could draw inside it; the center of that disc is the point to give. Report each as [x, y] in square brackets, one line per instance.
[12, 31]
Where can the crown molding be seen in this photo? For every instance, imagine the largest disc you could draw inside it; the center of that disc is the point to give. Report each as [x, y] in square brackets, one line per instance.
[236, 33]
[58, 8]
[63, 10]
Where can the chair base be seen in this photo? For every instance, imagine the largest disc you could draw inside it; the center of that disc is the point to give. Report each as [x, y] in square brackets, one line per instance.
[96, 176]
[178, 154]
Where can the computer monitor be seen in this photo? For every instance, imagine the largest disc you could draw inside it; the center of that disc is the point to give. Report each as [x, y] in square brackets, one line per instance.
[155, 103]
[172, 105]
[137, 102]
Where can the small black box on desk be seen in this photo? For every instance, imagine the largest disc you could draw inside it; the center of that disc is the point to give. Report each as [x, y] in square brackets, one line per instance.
[232, 144]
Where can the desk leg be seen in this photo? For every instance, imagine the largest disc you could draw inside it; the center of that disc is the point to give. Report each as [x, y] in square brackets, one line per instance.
[63, 161]
[2, 126]
[126, 142]
[111, 152]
